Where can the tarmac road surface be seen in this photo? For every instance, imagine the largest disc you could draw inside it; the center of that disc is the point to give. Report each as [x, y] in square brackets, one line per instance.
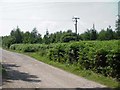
[26, 72]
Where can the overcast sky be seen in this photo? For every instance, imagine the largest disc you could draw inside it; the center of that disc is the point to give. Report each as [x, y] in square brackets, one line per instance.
[56, 15]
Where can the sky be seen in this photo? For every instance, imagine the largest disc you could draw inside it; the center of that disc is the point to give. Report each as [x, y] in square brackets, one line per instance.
[56, 15]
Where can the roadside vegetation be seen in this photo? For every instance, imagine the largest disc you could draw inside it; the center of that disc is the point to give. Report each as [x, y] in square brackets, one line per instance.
[94, 60]
[88, 74]
[93, 55]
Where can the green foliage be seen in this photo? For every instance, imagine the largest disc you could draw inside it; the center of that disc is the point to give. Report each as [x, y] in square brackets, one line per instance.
[33, 37]
[58, 53]
[46, 38]
[27, 37]
[7, 41]
[99, 56]
[109, 34]
[90, 34]
[69, 36]
[17, 34]
[102, 35]
[16, 37]
[73, 52]
[25, 47]
[88, 74]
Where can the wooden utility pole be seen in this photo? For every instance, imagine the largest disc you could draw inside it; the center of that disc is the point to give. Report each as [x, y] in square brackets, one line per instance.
[75, 20]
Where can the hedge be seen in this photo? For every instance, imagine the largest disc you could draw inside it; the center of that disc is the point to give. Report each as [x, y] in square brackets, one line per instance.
[99, 56]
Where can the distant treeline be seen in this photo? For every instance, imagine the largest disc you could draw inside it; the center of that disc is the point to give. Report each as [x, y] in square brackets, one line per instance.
[17, 36]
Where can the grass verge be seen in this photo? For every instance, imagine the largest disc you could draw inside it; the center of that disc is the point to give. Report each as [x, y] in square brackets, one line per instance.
[110, 82]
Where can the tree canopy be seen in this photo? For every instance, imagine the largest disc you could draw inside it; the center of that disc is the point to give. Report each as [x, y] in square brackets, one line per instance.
[17, 36]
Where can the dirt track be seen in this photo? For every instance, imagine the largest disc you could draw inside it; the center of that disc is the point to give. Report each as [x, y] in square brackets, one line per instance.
[26, 72]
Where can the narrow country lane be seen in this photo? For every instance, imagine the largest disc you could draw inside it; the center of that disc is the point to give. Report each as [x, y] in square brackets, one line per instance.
[26, 72]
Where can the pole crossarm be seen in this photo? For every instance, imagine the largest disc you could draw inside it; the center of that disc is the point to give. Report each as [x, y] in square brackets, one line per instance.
[75, 19]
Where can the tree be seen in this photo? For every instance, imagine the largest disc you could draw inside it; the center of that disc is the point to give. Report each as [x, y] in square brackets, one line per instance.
[69, 36]
[58, 36]
[85, 35]
[52, 38]
[34, 34]
[93, 34]
[27, 37]
[109, 33]
[17, 34]
[46, 39]
[32, 37]
[39, 38]
[89, 34]
[7, 41]
[102, 35]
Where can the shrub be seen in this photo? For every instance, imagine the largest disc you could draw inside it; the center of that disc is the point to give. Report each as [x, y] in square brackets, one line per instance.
[99, 56]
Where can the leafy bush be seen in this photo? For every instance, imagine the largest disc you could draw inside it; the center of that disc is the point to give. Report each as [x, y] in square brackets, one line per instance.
[99, 56]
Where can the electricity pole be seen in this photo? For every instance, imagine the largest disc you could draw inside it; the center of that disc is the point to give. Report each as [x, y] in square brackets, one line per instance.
[75, 20]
